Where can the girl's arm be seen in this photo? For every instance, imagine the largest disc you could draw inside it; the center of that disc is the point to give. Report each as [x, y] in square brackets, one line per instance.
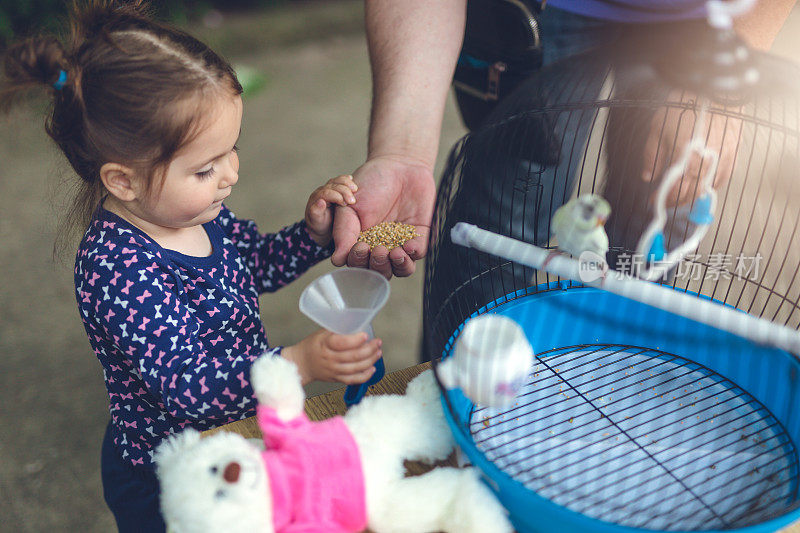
[274, 259]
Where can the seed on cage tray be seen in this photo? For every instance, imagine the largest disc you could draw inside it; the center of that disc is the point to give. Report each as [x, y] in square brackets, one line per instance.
[388, 234]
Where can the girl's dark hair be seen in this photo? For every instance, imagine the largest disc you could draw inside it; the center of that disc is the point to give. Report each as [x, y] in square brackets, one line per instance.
[131, 94]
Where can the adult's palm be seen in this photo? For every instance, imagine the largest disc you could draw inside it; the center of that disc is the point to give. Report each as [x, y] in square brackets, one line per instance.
[390, 189]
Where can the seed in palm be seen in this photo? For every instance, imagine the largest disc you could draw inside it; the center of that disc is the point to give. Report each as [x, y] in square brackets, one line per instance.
[388, 234]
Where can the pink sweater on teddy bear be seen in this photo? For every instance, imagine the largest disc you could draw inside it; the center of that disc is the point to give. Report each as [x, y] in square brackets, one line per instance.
[315, 475]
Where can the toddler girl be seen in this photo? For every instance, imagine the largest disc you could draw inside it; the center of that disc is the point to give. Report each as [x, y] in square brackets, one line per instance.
[166, 277]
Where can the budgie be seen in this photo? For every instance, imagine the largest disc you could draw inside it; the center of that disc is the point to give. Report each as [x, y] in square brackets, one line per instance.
[578, 225]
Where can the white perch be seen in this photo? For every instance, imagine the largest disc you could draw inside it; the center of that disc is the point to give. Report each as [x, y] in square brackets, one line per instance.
[705, 311]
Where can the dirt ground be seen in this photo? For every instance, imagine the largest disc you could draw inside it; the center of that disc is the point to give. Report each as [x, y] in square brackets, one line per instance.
[308, 124]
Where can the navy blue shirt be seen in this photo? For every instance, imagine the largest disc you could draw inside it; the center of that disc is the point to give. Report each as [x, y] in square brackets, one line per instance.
[176, 334]
[634, 10]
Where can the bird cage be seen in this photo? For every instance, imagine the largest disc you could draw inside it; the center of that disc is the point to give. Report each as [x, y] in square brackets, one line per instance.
[662, 393]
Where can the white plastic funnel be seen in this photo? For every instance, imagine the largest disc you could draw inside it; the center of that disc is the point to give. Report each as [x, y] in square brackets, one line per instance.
[345, 300]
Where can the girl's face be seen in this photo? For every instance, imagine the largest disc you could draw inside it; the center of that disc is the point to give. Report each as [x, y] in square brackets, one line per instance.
[203, 172]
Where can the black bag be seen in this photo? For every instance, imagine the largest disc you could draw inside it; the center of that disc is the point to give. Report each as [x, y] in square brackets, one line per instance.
[501, 48]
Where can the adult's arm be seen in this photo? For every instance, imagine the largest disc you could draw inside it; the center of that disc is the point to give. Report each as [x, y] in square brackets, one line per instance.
[413, 47]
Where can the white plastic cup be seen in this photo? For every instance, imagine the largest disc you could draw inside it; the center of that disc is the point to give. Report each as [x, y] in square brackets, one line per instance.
[491, 361]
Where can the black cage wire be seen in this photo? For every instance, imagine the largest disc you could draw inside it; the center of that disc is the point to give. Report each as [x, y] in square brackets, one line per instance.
[630, 416]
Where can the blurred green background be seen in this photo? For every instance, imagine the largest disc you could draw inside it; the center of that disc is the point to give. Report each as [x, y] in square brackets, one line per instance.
[208, 19]
[19, 17]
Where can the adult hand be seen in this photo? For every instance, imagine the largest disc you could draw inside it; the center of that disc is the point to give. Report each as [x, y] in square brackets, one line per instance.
[671, 130]
[390, 189]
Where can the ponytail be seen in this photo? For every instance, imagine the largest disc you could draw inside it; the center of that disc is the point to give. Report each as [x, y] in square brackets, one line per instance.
[34, 62]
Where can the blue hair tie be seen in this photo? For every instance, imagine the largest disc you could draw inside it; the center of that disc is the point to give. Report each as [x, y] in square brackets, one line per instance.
[61, 81]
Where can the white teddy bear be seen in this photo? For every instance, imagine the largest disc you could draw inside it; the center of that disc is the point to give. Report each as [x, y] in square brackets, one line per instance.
[337, 475]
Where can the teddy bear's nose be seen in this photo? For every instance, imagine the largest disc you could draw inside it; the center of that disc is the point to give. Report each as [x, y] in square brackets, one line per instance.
[231, 473]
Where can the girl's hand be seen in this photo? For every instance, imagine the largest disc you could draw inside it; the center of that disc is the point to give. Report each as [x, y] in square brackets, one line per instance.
[326, 356]
[319, 210]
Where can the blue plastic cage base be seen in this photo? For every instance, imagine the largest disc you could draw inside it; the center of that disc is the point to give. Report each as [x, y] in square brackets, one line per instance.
[643, 439]
[634, 418]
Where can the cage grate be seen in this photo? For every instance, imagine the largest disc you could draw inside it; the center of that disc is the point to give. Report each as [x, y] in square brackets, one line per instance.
[642, 438]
